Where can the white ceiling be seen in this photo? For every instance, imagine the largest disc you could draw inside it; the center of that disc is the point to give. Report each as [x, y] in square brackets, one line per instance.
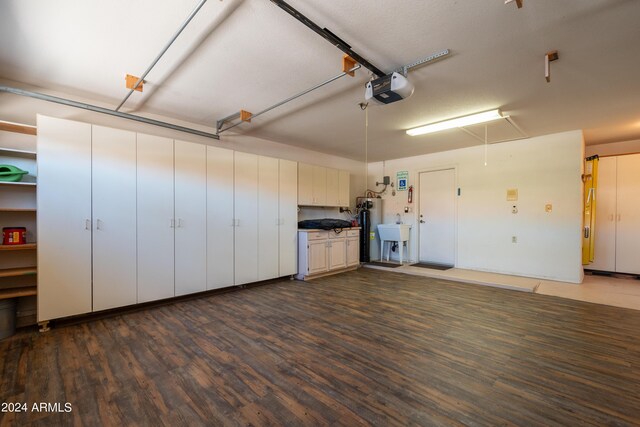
[250, 54]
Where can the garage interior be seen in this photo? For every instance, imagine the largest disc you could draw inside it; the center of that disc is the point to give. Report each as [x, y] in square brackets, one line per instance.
[253, 212]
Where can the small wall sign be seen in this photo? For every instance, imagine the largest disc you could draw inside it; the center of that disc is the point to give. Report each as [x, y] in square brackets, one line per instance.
[402, 180]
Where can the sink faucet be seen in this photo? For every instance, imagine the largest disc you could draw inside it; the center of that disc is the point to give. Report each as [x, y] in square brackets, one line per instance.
[398, 219]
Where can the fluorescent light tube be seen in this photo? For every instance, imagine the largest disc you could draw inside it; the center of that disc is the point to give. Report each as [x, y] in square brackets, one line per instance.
[472, 119]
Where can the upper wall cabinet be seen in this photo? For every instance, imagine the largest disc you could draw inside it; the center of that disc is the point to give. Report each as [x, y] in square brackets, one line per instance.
[320, 186]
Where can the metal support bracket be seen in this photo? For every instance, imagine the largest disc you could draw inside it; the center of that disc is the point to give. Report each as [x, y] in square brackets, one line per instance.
[431, 58]
[548, 58]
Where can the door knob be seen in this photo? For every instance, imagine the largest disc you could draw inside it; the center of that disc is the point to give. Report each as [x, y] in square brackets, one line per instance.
[422, 221]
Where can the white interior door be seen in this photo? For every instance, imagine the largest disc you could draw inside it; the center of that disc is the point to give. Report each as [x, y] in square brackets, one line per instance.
[155, 218]
[64, 218]
[268, 220]
[190, 217]
[288, 213]
[437, 216]
[628, 214]
[220, 226]
[605, 231]
[114, 217]
[246, 217]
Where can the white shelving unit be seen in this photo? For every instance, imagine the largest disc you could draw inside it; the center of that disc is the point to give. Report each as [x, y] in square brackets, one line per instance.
[18, 209]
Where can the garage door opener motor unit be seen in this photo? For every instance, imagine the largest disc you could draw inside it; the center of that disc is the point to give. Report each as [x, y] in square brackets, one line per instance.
[387, 89]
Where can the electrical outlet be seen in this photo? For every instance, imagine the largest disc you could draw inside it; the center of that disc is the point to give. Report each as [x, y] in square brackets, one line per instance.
[514, 239]
[514, 209]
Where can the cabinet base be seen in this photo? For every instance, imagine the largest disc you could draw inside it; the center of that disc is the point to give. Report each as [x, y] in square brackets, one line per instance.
[44, 326]
[325, 273]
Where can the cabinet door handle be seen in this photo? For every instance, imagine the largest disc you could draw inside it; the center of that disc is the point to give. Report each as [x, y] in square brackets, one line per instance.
[98, 224]
[619, 216]
[172, 223]
[87, 224]
[611, 217]
[179, 222]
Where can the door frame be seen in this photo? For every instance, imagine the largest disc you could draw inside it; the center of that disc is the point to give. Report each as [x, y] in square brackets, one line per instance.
[455, 208]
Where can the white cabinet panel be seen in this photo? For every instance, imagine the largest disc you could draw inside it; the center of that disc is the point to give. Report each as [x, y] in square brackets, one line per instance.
[220, 225]
[246, 220]
[114, 217]
[319, 185]
[155, 218]
[353, 252]
[268, 219]
[605, 231]
[318, 257]
[628, 214]
[305, 184]
[337, 253]
[190, 217]
[333, 188]
[64, 218]
[288, 212]
[344, 185]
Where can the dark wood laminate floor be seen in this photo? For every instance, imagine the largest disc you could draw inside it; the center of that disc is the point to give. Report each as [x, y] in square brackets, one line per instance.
[362, 348]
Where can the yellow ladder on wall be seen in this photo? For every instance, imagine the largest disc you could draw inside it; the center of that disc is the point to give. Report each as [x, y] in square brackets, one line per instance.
[590, 179]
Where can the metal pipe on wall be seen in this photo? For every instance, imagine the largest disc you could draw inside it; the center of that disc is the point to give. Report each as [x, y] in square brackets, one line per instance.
[164, 50]
[95, 108]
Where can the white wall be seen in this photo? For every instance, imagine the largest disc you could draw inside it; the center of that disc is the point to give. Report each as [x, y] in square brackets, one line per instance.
[545, 170]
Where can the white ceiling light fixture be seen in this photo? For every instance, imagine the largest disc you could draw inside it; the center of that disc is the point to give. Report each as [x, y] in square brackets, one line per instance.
[473, 119]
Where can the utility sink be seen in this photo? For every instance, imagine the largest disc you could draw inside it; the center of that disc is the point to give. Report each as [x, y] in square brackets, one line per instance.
[394, 232]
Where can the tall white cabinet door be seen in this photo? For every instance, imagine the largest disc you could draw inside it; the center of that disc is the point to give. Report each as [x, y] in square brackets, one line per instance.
[305, 184]
[155, 218]
[190, 217]
[114, 217]
[605, 231]
[246, 217]
[220, 219]
[268, 219]
[64, 218]
[628, 214]
[288, 214]
[344, 188]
